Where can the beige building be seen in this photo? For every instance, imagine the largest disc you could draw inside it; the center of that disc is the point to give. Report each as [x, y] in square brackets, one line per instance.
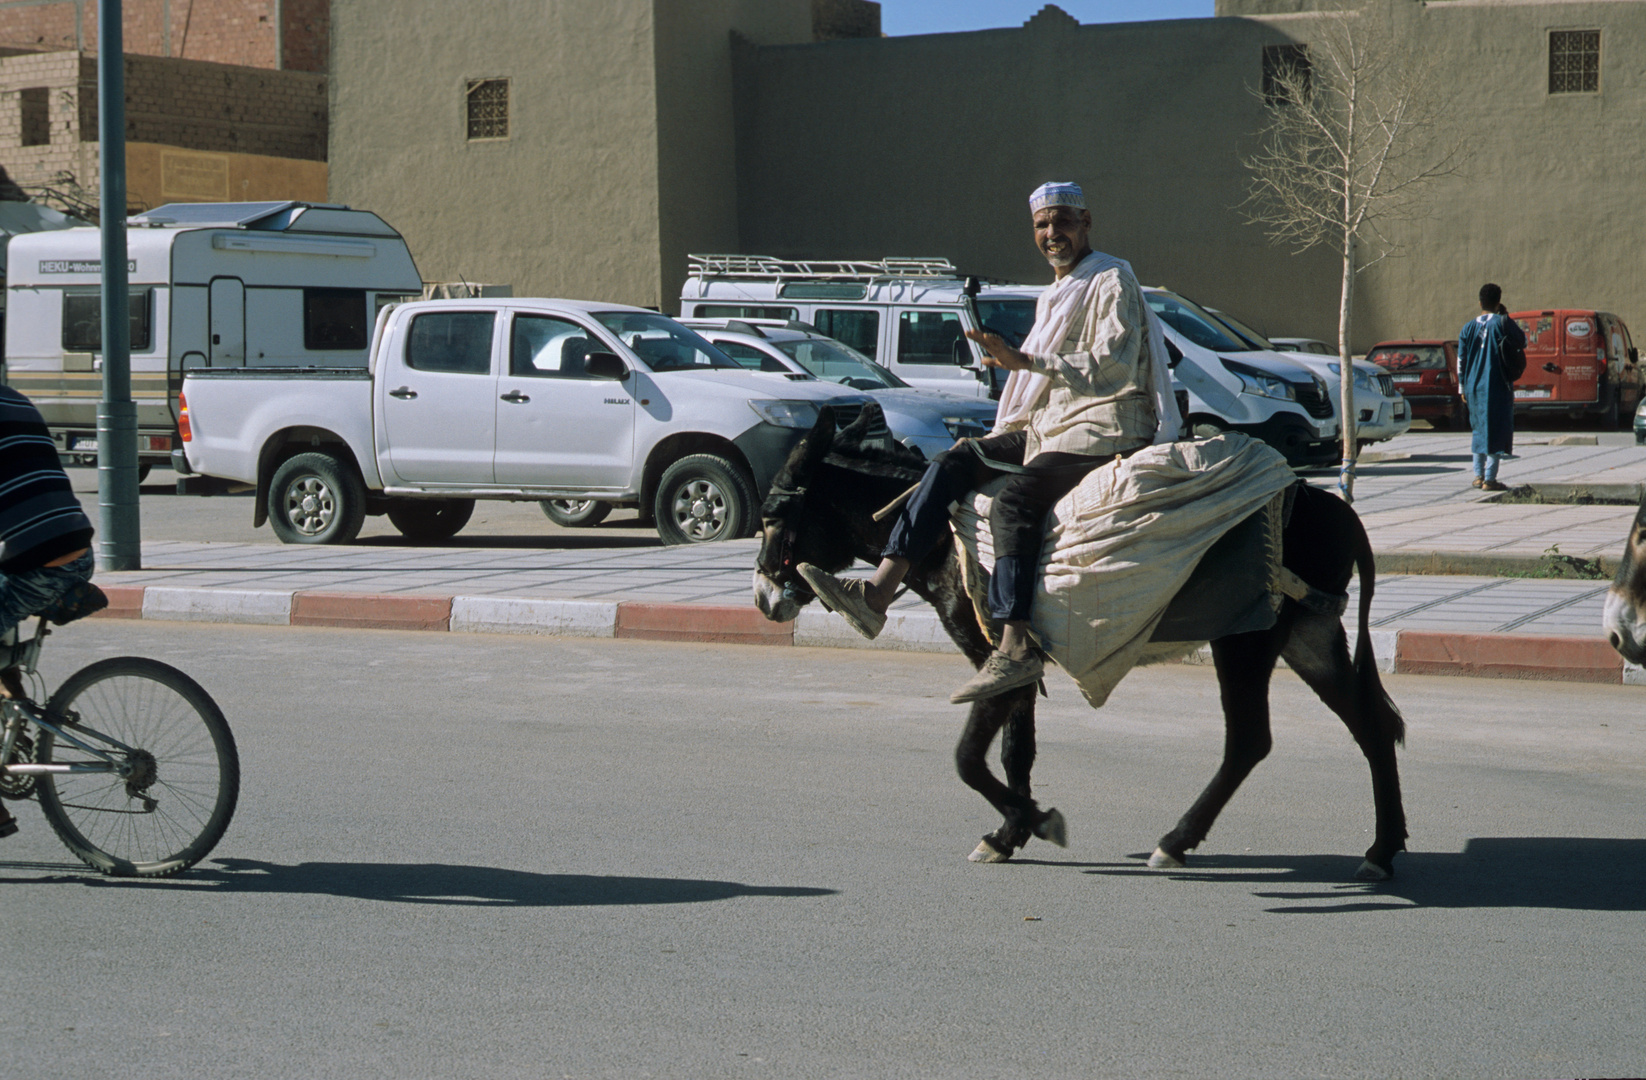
[582, 147]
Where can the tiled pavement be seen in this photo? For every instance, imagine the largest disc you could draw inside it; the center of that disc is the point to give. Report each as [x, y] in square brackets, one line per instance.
[720, 574]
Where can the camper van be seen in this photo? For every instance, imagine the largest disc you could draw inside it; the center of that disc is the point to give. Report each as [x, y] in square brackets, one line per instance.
[212, 285]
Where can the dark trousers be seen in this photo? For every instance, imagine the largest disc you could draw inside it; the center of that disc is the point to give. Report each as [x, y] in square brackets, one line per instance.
[1017, 519]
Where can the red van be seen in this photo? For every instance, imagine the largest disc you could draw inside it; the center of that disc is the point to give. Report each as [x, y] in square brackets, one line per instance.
[1578, 362]
[1425, 373]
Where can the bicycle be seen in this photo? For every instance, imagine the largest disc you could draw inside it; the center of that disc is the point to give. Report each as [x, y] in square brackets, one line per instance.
[132, 762]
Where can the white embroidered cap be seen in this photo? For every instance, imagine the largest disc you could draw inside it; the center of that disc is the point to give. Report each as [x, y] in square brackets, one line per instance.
[1056, 194]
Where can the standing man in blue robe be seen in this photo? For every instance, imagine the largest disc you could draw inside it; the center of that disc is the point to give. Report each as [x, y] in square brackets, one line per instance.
[1486, 386]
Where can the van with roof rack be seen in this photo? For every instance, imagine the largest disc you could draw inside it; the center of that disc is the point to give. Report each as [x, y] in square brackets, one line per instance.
[212, 286]
[909, 315]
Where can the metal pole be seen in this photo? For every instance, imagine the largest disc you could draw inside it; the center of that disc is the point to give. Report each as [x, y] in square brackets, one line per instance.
[118, 547]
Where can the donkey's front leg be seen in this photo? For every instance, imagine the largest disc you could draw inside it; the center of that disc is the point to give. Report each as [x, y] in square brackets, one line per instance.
[1013, 714]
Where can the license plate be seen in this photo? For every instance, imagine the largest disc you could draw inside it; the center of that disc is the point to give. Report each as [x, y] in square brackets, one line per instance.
[1408, 378]
[1535, 392]
[84, 446]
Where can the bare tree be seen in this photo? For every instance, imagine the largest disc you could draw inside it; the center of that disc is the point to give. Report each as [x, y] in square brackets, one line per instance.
[1356, 130]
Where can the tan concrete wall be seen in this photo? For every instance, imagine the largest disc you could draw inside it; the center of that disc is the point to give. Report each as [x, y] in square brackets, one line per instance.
[156, 175]
[567, 205]
[929, 146]
[696, 132]
[1549, 203]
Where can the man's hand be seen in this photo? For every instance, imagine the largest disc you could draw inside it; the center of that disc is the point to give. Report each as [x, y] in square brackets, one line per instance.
[996, 353]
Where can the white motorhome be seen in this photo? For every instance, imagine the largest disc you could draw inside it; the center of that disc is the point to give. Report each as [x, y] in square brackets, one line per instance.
[213, 285]
[908, 315]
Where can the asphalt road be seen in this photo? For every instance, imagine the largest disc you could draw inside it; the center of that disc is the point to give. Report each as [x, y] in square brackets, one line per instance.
[470, 856]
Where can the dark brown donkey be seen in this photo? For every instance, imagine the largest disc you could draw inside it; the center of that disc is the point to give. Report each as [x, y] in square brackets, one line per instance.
[821, 510]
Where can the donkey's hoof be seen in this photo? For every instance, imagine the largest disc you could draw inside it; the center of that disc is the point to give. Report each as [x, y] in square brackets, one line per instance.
[1164, 860]
[1053, 828]
[1370, 871]
[987, 852]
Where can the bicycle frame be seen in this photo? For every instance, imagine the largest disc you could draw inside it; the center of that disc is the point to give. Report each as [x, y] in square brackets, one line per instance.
[19, 713]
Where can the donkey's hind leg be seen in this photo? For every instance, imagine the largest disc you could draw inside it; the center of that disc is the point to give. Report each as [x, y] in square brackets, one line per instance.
[1012, 715]
[1245, 663]
[1319, 652]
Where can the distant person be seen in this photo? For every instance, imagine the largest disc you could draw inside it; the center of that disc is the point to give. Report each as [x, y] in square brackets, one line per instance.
[45, 538]
[1486, 385]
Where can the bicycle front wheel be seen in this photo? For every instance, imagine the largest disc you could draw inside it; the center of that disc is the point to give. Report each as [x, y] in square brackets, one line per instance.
[183, 773]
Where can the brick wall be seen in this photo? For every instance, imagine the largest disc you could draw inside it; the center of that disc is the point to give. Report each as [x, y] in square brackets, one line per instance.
[240, 32]
[182, 103]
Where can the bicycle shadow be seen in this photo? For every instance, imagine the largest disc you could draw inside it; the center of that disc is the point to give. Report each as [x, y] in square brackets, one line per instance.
[1563, 873]
[438, 884]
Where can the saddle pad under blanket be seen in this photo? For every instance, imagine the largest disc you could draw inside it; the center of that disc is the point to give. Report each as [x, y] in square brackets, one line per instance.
[1121, 544]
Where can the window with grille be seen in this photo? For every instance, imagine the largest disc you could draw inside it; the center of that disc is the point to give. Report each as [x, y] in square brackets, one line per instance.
[489, 109]
[1285, 68]
[1574, 61]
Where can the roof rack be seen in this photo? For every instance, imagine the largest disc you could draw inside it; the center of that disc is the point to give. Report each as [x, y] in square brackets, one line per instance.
[766, 267]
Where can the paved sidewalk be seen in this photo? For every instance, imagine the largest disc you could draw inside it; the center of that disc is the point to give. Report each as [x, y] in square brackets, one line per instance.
[1413, 493]
[1421, 623]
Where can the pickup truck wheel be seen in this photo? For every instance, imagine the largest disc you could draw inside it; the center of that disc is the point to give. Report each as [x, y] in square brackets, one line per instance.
[429, 520]
[316, 499]
[703, 497]
[576, 513]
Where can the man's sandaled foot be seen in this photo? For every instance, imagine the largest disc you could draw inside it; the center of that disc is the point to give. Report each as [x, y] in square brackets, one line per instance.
[999, 674]
[847, 598]
[8, 824]
[11, 684]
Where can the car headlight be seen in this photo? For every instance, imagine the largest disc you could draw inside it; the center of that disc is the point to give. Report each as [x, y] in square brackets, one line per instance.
[1261, 383]
[789, 414]
[966, 427]
[1365, 382]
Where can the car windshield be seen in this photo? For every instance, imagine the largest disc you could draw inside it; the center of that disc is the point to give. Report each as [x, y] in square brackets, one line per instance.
[664, 344]
[1409, 357]
[1246, 333]
[1011, 319]
[1194, 323]
[835, 362]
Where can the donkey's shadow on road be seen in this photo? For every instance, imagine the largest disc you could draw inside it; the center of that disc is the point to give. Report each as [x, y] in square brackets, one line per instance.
[1559, 872]
[437, 884]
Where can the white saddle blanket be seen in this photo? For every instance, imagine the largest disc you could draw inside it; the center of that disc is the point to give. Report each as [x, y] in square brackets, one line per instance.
[1121, 545]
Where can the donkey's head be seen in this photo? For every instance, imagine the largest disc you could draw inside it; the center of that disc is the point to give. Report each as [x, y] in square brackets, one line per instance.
[785, 530]
[824, 515]
[1625, 613]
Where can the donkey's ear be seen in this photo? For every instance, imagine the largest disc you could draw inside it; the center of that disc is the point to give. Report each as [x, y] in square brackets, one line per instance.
[812, 448]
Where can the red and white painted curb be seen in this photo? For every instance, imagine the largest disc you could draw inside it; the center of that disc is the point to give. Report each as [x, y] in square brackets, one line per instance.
[1409, 652]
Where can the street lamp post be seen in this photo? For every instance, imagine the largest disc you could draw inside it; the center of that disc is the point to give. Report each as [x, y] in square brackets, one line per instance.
[118, 547]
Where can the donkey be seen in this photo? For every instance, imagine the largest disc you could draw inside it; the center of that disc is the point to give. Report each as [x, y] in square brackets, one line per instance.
[821, 510]
[1625, 614]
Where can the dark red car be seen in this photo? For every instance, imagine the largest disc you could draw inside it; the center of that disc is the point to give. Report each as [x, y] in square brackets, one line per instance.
[1425, 373]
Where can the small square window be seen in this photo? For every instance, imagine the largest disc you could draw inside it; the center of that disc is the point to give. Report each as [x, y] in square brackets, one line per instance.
[1285, 67]
[488, 109]
[1574, 61]
[335, 319]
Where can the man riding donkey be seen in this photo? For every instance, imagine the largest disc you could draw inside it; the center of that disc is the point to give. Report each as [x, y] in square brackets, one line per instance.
[1089, 385]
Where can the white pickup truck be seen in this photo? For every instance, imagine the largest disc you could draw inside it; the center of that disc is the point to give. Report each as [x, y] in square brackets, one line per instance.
[576, 405]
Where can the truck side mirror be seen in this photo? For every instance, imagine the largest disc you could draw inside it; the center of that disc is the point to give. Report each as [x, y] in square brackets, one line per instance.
[1174, 355]
[605, 365]
[959, 354]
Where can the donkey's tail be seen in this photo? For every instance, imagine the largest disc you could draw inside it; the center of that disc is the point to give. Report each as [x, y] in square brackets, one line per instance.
[1375, 703]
